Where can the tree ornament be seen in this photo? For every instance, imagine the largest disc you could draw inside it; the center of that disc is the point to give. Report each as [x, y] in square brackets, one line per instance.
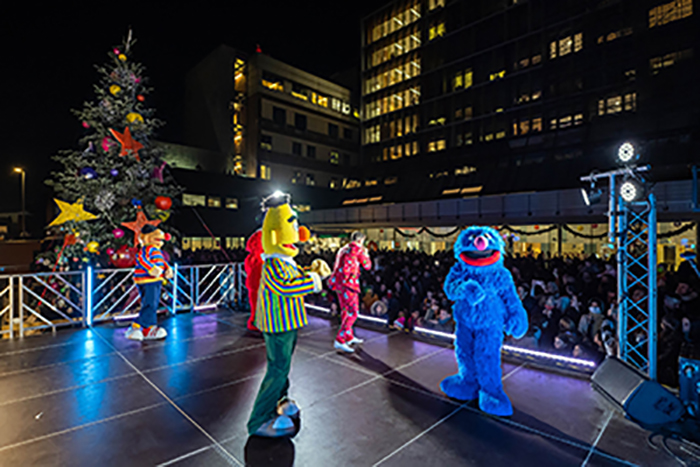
[105, 199]
[158, 172]
[92, 247]
[89, 150]
[71, 212]
[134, 117]
[140, 97]
[129, 145]
[537, 227]
[595, 226]
[163, 203]
[86, 125]
[579, 228]
[115, 89]
[110, 251]
[122, 57]
[116, 51]
[124, 257]
[138, 224]
[88, 173]
[136, 202]
[114, 172]
[162, 215]
[118, 233]
[106, 144]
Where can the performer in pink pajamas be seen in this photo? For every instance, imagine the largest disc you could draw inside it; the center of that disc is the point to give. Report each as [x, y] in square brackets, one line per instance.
[345, 280]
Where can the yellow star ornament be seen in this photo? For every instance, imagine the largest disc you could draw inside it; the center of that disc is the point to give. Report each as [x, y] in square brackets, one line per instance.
[71, 212]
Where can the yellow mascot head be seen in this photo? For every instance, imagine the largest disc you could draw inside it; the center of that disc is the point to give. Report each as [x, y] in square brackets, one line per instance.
[280, 229]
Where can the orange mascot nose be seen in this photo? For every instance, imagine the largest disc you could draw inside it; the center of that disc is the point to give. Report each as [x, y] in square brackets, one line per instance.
[304, 234]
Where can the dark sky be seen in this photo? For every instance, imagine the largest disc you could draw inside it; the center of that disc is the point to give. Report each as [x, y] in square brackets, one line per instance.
[49, 53]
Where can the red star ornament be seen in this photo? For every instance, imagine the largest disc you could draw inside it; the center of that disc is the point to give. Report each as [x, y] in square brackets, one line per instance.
[138, 224]
[129, 144]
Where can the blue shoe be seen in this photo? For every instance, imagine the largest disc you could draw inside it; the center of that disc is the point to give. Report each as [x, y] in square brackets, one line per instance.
[289, 408]
[457, 388]
[495, 404]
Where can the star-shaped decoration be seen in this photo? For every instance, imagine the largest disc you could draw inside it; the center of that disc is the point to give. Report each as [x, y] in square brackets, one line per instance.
[129, 144]
[138, 224]
[71, 212]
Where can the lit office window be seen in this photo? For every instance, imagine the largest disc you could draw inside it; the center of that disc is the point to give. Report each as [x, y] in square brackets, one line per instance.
[436, 30]
[436, 4]
[565, 46]
[631, 102]
[231, 203]
[193, 200]
[213, 202]
[265, 172]
[415, 148]
[266, 142]
[537, 124]
[578, 42]
[273, 85]
[498, 75]
[578, 119]
[334, 158]
[310, 180]
[669, 12]
[334, 184]
[468, 139]
[296, 178]
[565, 122]
[459, 81]
[668, 60]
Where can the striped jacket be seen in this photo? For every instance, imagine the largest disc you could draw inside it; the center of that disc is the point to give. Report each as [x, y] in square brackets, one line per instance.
[148, 257]
[280, 305]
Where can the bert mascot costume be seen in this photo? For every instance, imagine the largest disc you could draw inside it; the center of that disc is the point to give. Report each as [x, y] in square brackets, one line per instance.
[280, 313]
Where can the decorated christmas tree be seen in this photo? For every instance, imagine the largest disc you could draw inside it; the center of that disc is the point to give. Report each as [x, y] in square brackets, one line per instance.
[116, 181]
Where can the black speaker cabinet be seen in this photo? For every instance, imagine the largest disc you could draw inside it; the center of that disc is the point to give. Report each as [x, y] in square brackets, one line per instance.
[644, 401]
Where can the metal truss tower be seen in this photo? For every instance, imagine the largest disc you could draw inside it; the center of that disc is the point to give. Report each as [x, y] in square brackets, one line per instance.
[632, 229]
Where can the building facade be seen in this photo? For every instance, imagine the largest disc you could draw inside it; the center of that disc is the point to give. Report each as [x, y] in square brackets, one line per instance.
[470, 97]
[271, 120]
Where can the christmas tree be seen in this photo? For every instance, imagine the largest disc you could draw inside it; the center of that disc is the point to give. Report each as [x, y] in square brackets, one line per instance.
[116, 181]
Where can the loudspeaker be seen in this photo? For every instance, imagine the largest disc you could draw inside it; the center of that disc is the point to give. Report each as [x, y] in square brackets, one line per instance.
[644, 401]
[689, 384]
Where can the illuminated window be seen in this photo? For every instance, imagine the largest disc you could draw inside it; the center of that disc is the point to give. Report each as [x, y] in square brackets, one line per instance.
[390, 180]
[578, 119]
[441, 145]
[553, 124]
[458, 81]
[437, 30]
[213, 202]
[334, 184]
[310, 180]
[553, 50]
[669, 12]
[466, 170]
[274, 85]
[436, 4]
[631, 102]
[614, 105]
[536, 59]
[193, 200]
[335, 158]
[501, 134]
[265, 172]
[537, 124]
[468, 139]
[458, 114]
[371, 182]
[468, 78]
[302, 207]
[266, 142]
[432, 147]
[231, 203]
[488, 137]
[296, 178]
[565, 122]
[668, 60]
[565, 46]
[601, 107]
[524, 127]
[468, 113]
[578, 42]
[350, 184]
[498, 75]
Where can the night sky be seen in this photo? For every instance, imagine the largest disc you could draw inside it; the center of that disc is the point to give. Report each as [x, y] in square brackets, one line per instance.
[49, 55]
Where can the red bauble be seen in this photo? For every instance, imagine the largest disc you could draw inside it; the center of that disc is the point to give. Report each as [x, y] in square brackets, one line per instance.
[164, 203]
[537, 227]
[86, 125]
[595, 226]
[124, 257]
[140, 98]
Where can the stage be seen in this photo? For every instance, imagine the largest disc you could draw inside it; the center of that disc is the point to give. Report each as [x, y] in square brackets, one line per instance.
[90, 397]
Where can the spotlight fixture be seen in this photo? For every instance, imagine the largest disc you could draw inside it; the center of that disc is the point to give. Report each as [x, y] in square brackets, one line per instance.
[591, 195]
[631, 190]
[627, 153]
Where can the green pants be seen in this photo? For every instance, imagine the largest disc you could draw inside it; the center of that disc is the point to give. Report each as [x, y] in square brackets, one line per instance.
[280, 347]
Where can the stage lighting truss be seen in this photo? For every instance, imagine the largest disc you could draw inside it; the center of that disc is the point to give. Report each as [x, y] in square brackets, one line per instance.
[627, 153]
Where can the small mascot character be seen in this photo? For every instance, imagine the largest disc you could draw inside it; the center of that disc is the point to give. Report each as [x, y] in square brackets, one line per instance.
[151, 272]
[345, 280]
[485, 305]
[280, 313]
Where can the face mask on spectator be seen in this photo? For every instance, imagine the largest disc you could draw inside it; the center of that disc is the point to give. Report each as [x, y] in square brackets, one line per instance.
[594, 309]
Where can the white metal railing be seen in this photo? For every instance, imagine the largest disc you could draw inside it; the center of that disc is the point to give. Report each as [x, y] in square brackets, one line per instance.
[38, 301]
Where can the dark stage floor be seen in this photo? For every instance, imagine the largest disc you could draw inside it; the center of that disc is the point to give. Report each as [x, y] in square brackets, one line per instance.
[92, 398]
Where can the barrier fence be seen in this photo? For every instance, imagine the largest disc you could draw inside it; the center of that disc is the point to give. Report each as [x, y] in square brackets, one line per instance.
[31, 303]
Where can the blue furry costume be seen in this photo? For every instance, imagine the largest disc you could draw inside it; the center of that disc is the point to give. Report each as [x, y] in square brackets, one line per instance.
[486, 305]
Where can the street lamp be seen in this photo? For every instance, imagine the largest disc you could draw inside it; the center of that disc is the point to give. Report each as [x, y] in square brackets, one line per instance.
[23, 233]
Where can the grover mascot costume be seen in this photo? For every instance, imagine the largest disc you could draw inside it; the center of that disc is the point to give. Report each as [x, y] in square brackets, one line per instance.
[280, 313]
[486, 305]
[345, 280]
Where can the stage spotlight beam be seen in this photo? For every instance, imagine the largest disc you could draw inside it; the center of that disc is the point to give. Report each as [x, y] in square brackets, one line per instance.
[629, 191]
[627, 153]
